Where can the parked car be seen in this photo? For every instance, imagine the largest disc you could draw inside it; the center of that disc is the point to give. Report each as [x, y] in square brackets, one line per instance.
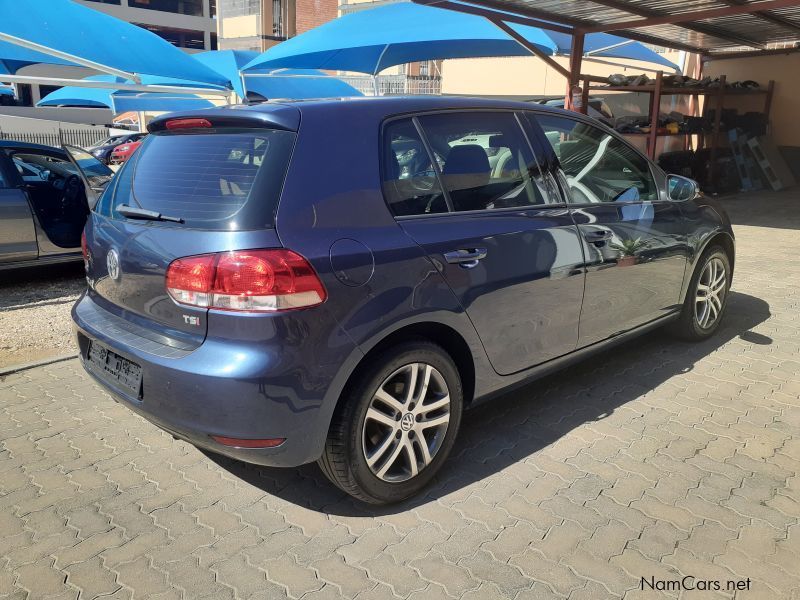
[123, 152]
[598, 109]
[44, 202]
[340, 292]
[102, 150]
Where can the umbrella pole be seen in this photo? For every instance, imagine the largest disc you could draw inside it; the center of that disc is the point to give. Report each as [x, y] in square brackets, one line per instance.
[244, 88]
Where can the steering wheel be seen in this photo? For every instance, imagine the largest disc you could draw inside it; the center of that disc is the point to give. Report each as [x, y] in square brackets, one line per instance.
[423, 181]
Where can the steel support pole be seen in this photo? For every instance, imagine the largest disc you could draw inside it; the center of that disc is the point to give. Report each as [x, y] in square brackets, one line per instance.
[575, 63]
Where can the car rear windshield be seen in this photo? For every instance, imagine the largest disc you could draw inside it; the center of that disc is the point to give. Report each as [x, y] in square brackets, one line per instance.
[220, 179]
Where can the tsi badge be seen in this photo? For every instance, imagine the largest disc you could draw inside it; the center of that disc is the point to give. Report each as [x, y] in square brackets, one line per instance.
[112, 262]
[191, 320]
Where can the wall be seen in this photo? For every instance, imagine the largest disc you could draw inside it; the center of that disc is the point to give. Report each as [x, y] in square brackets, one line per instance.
[524, 75]
[783, 69]
[312, 13]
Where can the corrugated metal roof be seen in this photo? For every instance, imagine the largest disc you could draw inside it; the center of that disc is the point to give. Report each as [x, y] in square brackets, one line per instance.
[760, 29]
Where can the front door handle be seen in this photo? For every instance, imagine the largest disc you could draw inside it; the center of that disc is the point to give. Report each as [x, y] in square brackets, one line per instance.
[466, 257]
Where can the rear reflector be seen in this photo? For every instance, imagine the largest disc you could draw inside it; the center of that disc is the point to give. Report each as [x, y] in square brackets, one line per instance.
[187, 123]
[237, 443]
[84, 246]
[245, 280]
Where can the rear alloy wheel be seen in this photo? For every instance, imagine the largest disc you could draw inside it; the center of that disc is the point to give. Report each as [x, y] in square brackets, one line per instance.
[706, 297]
[406, 422]
[396, 426]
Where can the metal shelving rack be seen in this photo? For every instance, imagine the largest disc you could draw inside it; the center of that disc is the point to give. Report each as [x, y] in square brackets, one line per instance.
[717, 95]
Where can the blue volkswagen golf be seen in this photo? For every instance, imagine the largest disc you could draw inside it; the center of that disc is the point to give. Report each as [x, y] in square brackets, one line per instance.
[337, 280]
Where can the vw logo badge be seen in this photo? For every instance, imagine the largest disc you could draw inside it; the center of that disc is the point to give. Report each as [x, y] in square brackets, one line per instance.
[407, 422]
[112, 262]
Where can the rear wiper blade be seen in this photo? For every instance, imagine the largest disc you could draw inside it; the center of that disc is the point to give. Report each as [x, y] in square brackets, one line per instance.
[142, 213]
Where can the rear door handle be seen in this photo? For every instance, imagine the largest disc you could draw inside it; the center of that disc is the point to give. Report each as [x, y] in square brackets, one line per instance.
[598, 235]
[466, 257]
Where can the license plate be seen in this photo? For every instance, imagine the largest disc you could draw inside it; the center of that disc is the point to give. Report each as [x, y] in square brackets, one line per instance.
[115, 369]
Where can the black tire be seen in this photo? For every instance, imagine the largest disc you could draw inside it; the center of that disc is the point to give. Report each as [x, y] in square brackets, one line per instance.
[688, 326]
[344, 461]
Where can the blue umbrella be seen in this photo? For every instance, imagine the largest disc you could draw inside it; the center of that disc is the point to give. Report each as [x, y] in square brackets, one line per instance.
[372, 40]
[120, 100]
[84, 36]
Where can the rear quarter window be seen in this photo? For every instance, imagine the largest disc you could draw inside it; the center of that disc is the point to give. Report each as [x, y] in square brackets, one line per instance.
[217, 179]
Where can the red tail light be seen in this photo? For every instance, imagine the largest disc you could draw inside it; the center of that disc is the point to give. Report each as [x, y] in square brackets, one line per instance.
[84, 246]
[245, 280]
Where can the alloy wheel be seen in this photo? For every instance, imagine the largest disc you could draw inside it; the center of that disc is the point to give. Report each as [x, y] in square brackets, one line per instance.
[406, 422]
[710, 294]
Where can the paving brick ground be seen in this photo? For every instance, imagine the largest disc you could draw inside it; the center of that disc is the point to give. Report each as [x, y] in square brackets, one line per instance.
[658, 460]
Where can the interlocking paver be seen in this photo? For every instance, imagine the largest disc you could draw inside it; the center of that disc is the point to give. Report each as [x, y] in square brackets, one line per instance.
[659, 459]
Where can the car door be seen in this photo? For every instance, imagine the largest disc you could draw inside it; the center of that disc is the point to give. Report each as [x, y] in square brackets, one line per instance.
[467, 188]
[634, 238]
[93, 173]
[17, 231]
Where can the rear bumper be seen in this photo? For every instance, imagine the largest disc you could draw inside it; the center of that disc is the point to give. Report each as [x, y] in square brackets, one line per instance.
[244, 390]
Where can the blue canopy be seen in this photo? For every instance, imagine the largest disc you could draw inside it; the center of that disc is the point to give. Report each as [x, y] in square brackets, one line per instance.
[227, 63]
[120, 100]
[369, 41]
[298, 84]
[6, 91]
[275, 83]
[83, 35]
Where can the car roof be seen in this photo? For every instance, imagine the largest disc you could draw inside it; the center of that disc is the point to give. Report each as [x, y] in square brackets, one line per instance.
[28, 146]
[287, 113]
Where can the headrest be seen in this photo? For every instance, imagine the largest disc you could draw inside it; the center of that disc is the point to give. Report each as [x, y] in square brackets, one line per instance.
[497, 141]
[466, 168]
[469, 159]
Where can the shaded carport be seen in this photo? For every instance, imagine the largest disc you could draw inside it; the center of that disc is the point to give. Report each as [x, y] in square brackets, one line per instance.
[704, 27]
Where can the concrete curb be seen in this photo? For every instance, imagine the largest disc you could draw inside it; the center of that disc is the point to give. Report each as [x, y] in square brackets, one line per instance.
[38, 363]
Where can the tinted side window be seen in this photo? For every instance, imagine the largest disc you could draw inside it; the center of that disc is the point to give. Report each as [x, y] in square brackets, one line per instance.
[598, 166]
[409, 179]
[485, 160]
[3, 182]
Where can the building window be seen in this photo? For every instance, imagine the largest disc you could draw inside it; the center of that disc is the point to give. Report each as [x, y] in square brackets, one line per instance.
[238, 8]
[181, 7]
[424, 68]
[182, 38]
[212, 7]
[277, 18]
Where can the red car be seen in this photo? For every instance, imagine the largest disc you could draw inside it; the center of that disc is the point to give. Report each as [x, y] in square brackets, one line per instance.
[124, 151]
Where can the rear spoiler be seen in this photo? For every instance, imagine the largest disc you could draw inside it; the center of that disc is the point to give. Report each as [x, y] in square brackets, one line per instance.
[268, 116]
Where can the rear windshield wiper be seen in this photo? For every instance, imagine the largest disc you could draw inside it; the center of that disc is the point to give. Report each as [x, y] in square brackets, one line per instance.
[142, 213]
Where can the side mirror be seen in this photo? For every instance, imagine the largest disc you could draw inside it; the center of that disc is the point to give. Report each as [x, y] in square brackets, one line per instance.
[44, 175]
[681, 189]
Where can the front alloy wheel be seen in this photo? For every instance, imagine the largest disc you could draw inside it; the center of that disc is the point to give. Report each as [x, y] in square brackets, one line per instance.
[396, 423]
[710, 294]
[706, 297]
[406, 422]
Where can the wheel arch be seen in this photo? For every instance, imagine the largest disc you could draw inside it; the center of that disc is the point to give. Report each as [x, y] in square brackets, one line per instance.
[440, 334]
[718, 238]
[723, 239]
